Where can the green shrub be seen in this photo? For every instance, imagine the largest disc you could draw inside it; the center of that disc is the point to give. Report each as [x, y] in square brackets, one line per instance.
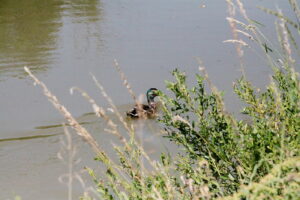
[235, 150]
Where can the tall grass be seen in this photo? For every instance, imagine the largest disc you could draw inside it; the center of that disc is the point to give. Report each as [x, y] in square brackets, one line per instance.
[224, 157]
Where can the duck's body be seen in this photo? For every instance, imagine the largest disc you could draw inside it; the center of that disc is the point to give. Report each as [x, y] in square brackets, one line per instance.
[143, 110]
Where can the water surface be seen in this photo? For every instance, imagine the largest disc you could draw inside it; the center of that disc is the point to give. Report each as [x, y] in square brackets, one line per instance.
[63, 41]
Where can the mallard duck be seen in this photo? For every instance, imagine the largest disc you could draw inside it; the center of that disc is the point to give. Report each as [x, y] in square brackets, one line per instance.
[143, 110]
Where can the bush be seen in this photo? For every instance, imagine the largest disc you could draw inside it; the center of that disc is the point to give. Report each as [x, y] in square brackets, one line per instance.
[236, 151]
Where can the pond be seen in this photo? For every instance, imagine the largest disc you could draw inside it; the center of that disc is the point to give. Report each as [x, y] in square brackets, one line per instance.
[63, 42]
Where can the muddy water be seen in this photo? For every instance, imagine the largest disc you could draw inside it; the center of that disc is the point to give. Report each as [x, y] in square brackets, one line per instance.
[63, 41]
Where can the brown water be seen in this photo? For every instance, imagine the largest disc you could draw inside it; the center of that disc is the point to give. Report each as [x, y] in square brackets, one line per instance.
[63, 41]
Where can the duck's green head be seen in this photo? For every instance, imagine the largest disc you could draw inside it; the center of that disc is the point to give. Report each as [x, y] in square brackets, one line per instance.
[151, 94]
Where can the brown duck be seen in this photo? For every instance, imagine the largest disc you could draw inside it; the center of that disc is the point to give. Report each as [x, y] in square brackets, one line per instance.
[144, 110]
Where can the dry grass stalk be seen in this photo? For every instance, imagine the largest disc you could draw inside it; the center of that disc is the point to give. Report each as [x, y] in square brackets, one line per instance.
[100, 112]
[129, 88]
[233, 20]
[69, 149]
[130, 130]
[67, 155]
[246, 34]
[81, 131]
[285, 40]
[232, 24]
[125, 81]
[258, 36]
[111, 103]
[296, 9]
[242, 10]
[120, 117]
[241, 42]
